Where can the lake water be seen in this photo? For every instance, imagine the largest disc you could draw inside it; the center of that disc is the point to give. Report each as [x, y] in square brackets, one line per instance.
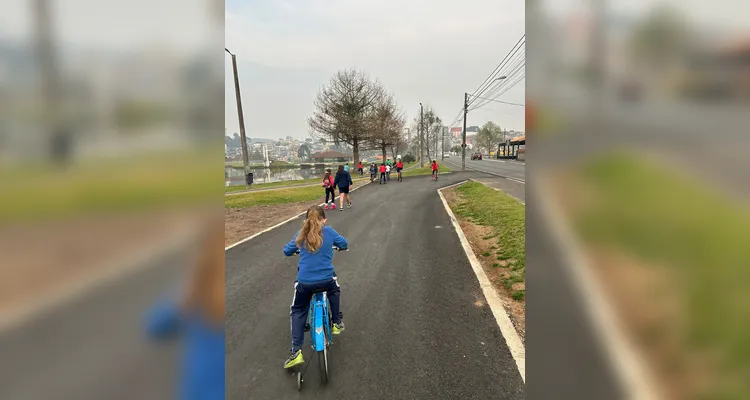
[267, 175]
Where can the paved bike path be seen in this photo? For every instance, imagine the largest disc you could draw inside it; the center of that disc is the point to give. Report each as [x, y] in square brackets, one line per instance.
[417, 324]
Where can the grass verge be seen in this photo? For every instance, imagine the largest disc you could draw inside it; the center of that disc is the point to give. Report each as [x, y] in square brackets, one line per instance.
[507, 219]
[302, 182]
[240, 188]
[669, 225]
[274, 197]
[133, 183]
[426, 170]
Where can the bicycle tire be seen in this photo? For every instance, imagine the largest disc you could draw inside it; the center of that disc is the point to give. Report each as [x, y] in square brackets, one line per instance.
[323, 364]
[299, 381]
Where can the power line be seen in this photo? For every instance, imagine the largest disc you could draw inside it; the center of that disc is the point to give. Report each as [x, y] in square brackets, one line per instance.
[499, 92]
[516, 68]
[486, 101]
[487, 81]
[516, 75]
[498, 101]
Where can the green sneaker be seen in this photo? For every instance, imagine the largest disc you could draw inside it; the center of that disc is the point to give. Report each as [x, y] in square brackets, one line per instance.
[337, 328]
[295, 359]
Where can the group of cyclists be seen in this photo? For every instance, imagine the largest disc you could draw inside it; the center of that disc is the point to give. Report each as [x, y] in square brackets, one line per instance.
[384, 170]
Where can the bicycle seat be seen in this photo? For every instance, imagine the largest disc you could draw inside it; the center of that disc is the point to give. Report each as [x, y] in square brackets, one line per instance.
[318, 291]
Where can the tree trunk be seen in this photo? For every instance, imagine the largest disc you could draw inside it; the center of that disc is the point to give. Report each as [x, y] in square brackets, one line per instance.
[385, 153]
[355, 151]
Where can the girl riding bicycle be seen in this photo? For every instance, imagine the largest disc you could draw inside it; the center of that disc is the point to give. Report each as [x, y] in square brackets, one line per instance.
[315, 242]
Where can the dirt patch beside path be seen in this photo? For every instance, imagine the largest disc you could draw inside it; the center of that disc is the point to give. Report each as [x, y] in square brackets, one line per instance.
[240, 223]
[484, 249]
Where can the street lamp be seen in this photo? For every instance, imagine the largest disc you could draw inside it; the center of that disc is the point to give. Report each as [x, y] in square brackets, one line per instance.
[245, 160]
[463, 135]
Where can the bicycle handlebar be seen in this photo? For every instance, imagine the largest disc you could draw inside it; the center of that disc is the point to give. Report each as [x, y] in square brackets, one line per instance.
[334, 248]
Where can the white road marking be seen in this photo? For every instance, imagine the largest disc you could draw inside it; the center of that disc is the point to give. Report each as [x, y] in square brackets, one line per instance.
[516, 180]
[515, 345]
[629, 366]
[279, 224]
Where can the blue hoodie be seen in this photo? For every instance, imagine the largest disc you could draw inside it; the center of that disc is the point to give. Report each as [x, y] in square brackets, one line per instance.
[317, 267]
[202, 370]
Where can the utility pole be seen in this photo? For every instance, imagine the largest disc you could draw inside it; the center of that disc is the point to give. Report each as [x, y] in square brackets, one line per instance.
[442, 153]
[463, 134]
[245, 160]
[58, 134]
[439, 129]
[421, 132]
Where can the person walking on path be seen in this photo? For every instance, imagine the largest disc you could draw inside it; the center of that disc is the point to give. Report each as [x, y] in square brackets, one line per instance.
[387, 172]
[361, 169]
[382, 174]
[343, 181]
[373, 172]
[330, 190]
[346, 167]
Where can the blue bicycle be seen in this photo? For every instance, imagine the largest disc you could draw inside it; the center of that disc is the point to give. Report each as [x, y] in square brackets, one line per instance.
[319, 322]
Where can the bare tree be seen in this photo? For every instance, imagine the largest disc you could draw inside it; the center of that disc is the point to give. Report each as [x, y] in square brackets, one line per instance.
[399, 145]
[386, 124]
[343, 109]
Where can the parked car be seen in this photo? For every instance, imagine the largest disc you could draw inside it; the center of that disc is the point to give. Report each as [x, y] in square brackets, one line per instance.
[476, 156]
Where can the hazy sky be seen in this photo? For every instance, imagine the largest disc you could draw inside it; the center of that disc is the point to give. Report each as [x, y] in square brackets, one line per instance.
[428, 51]
[180, 25]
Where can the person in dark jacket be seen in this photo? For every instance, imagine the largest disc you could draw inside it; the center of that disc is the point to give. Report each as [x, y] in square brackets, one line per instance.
[343, 181]
[373, 172]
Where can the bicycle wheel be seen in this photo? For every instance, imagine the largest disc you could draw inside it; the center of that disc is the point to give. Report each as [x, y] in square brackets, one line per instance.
[299, 381]
[323, 364]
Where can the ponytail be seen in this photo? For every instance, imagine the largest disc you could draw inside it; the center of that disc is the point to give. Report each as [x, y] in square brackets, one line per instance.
[311, 235]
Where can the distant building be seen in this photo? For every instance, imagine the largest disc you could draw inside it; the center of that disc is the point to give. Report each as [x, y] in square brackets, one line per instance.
[456, 132]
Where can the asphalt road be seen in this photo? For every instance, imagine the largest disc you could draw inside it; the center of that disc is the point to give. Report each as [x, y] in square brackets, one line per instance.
[707, 141]
[409, 299]
[94, 347]
[505, 175]
[505, 168]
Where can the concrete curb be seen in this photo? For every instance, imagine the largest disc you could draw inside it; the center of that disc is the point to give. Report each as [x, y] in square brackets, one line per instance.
[508, 330]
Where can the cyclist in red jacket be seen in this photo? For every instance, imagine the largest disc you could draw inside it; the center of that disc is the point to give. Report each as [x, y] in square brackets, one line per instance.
[434, 170]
